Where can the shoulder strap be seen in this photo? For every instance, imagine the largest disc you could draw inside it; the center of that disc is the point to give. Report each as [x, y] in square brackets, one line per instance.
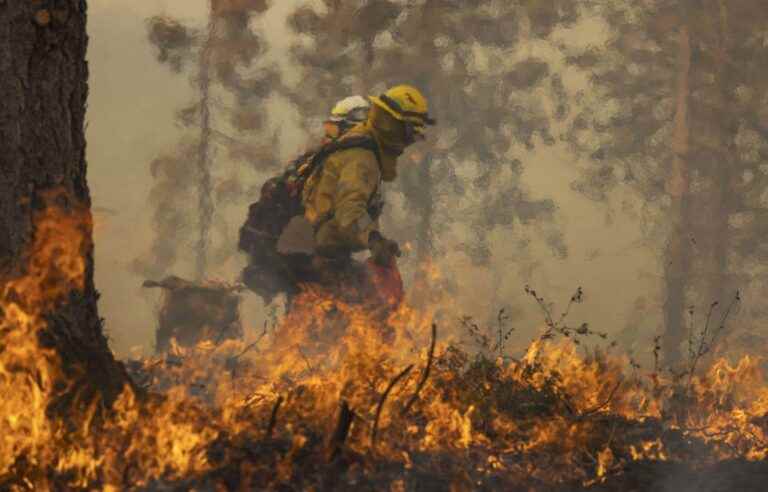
[309, 162]
[345, 143]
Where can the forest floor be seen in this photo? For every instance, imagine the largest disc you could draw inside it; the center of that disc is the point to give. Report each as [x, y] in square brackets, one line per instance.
[359, 408]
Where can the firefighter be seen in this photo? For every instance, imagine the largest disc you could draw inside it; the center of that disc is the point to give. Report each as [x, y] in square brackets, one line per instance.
[343, 201]
[345, 114]
[275, 237]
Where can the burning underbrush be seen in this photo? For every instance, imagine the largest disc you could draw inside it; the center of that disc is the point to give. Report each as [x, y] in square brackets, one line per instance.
[336, 397]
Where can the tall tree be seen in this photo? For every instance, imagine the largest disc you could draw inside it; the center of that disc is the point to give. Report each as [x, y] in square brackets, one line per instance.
[220, 59]
[643, 76]
[677, 257]
[44, 88]
[737, 146]
[204, 187]
[489, 96]
[681, 84]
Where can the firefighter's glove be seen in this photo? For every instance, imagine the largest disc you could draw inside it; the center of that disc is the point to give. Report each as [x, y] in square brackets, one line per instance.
[383, 250]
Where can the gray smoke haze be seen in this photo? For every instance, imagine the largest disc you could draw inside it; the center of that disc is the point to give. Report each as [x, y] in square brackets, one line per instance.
[173, 190]
[549, 165]
[215, 55]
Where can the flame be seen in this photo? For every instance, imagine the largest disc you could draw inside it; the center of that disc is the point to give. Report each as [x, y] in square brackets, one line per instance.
[28, 371]
[604, 462]
[649, 450]
[267, 410]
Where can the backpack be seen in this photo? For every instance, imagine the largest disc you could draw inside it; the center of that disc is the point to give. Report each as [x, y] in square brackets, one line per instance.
[270, 272]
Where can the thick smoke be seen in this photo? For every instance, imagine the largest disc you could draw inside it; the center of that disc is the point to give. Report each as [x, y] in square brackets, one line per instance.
[510, 89]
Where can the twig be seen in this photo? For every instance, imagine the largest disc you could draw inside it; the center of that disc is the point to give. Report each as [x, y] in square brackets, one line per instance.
[251, 345]
[691, 326]
[726, 315]
[500, 319]
[602, 405]
[564, 400]
[589, 455]
[346, 415]
[273, 416]
[222, 331]
[252, 398]
[306, 360]
[576, 297]
[375, 429]
[425, 374]
[702, 341]
[233, 361]
[500, 326]
[540, 300]
[656, 367]
[553, 326]
[704, 345]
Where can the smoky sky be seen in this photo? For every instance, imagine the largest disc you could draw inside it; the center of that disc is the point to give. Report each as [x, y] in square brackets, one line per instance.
[526, 206]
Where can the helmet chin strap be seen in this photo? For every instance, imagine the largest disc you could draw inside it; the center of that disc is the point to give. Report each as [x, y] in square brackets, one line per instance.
[408, 131]
[394, 151]
[411, 133]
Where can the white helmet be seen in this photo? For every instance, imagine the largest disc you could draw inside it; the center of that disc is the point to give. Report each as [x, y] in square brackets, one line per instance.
[353, 109]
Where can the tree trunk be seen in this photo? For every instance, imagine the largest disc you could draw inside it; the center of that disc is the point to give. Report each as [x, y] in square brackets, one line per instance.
[43, 91]
[719, 280]
[677, 262]
[205, 186]
[725, 155]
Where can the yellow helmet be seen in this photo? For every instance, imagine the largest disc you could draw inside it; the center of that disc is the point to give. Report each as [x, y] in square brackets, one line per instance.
[405, 103]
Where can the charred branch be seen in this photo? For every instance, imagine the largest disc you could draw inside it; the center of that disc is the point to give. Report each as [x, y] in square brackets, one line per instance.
[339, 437]
[424, 375]
[273, 416]
[382, 400]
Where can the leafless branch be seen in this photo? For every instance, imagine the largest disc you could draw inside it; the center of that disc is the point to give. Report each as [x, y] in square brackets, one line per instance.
[602, 405]
[273, 416]
[425, 374]
[346, 416]
[383, 399]
[706, 344]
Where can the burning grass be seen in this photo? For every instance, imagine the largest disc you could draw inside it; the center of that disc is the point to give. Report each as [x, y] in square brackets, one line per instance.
[335, 397]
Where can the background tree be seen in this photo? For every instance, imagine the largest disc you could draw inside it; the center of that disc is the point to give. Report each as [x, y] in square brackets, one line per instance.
[490, 99]
[672, 106]
[735, 106]
[336, 50]
[42, 146]
[227, 110]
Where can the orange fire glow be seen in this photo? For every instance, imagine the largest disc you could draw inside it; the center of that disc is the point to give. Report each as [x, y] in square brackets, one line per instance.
[260, 409]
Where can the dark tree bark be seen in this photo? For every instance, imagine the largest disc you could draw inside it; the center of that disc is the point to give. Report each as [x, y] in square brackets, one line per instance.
[43, 92]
